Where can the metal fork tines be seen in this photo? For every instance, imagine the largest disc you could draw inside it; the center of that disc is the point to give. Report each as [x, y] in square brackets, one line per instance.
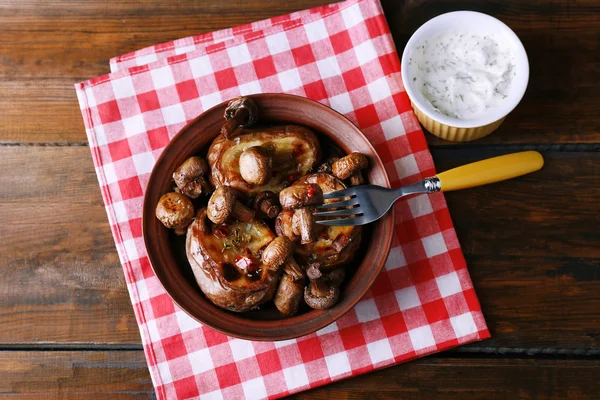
[360, 205]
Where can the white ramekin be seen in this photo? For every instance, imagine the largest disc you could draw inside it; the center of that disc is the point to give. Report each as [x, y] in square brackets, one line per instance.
[455, 129]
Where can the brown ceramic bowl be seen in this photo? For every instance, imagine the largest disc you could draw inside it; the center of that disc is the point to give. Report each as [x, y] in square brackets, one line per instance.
[167, 251]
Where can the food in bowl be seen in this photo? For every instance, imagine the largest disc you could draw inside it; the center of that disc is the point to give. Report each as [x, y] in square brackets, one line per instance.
[254, 240]
[464, 72]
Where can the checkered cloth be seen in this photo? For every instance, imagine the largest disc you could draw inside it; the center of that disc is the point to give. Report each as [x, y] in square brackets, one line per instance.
[343, 56]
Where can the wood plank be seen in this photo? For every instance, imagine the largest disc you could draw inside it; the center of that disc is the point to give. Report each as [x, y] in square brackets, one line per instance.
[119, 375]
[62, 282]
[60, 276]
[440, 379]
[532, 249]
[123, 375]
[42, 77]
[561, 38]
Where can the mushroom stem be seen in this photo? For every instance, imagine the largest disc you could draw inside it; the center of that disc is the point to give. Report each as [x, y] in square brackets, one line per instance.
[292, 268]
[303, 222]
[240, 116]
[270, 208]
[266, 204]
[241, 212]
[318, 287]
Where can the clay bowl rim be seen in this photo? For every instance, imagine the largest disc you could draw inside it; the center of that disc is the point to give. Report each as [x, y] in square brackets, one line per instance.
[268, 330]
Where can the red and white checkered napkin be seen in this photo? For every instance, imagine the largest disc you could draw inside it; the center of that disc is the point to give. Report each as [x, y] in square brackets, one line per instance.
[343, 56]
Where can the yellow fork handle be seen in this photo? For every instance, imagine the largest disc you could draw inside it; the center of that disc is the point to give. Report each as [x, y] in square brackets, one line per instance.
[492, 170]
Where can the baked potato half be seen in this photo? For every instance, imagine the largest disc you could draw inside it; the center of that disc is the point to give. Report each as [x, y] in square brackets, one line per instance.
[334, 245]
[226, 262]
[292, 150]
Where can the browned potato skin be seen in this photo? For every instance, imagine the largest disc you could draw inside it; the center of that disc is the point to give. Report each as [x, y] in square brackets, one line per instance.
[211, 276]
[223, 175]
[329, 257]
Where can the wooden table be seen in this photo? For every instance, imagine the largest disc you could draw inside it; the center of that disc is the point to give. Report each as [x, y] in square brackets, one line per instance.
[67, 329]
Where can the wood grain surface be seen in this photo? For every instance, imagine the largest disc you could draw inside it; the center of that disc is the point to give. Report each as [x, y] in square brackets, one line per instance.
[123, 375]
[67, 329]
[47, 46]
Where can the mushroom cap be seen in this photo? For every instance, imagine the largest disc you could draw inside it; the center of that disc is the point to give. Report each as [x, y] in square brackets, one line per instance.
[321, 303]
[174, 210]
[242, 102]
[277, 252]
[256, 165]
[288, 295]
[221, 204]
[187, 176]
[298, 196]
[349, 165]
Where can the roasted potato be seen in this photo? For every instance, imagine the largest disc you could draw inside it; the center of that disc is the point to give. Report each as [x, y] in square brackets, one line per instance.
[292, 150]
[226, 262]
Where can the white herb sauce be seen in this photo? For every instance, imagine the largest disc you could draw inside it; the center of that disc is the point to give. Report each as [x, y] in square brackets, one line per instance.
[463, 74]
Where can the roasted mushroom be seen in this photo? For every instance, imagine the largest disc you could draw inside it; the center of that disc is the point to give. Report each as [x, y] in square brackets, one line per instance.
[294, 150]
[266, 204]
[190, 177]
[175, 211]
[284, 225]
[255, 165]
[301, 195]
[350, 166]
[289, 294]
[320, 293]
[280, 252]
[334, 245]
[226, 263]
[299, 198]
[223, 204]
[240, 113]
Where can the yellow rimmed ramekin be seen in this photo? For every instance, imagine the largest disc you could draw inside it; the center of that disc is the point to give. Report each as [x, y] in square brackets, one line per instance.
[455, 129]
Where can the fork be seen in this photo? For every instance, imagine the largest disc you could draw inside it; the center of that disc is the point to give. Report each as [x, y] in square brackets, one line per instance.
[367, 203]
